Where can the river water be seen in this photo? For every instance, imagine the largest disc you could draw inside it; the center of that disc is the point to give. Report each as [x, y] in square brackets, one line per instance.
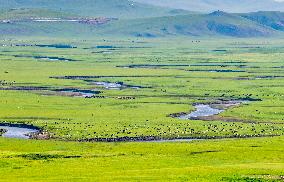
[17, 132]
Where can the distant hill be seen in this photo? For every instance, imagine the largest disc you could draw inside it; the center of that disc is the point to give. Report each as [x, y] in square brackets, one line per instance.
[272, 19]
[43, 22]
[47, 29]
[234, 6]
[23, 13]
[106, 8]
[214, 24]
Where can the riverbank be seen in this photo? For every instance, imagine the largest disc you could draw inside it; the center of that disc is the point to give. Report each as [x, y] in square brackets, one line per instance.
[2, 131]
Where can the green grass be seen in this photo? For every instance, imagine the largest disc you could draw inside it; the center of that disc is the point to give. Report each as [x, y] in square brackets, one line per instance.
[169, 89]
[216, 160]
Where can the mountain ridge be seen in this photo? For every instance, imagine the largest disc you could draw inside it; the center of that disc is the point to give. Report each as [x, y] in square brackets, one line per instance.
[232, 6]
[214, 24]
[124, 18]
[217, 23]
[124, 9]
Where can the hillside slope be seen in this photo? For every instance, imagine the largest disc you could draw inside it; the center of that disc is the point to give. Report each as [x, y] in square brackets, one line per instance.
[235, 6]
[106, 8]
[272, 19]
[42, 22]
[52, 23]
[23, 13]
[214, 24]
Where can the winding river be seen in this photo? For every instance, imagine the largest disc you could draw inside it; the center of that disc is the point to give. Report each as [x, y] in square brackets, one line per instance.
[205, 110]
[17, 132]
[202, 110]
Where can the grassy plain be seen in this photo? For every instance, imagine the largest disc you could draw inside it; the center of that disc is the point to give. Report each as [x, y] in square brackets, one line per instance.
[259, 159]
[175, 74]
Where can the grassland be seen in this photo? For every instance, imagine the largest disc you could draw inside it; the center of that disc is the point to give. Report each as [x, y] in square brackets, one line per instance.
[221, 160]
[173, 78]
[169, 89]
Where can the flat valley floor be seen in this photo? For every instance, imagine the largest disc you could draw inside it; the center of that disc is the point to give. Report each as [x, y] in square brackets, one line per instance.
[125, 109]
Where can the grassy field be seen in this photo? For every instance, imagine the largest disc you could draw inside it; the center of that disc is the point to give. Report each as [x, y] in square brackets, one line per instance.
[217, 160]
[174, 74]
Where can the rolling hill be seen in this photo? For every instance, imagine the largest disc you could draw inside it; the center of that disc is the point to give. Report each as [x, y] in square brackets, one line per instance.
[43, 22]
[272, 19]
[23, 13]
[214, 24]
[234, 6]
[94, 8]
[93, 18]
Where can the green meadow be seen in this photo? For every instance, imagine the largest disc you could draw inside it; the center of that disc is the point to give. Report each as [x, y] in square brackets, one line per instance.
[258, 159]
[162, 76]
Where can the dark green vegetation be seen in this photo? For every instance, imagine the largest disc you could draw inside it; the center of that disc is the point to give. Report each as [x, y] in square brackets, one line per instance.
[2, 131]
[250, 160]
